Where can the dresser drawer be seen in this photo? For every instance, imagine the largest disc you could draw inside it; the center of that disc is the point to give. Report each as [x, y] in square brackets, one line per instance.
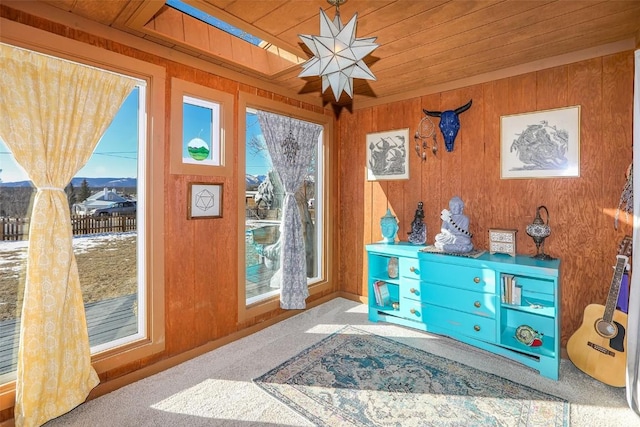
[472, 278]
[409, 267]
[457, 322]
[478, 303]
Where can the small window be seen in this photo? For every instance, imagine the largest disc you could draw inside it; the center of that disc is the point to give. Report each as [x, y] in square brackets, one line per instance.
[201, 130]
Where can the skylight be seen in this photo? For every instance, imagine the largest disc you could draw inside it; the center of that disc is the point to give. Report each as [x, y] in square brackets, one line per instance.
[215, 22]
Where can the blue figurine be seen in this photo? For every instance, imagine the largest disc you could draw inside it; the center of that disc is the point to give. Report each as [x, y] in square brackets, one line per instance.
[389, 227]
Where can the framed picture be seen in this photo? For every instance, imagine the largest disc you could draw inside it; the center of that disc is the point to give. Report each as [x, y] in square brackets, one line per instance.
[204, 200]
[387, 155]
[541, 144]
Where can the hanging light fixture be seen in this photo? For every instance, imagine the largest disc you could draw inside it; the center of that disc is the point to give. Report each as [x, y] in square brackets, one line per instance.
[338, 53]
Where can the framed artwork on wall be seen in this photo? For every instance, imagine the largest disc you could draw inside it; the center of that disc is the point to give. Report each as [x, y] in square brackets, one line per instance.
[387, 155]
[204, 200]
[541, 144]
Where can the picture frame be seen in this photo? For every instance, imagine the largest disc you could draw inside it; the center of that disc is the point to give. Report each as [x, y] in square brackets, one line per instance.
[388, 155]
[540, 144]
[201, 130]
[204, 200]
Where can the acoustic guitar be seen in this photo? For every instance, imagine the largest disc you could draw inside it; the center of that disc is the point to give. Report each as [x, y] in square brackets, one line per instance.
[599, 346]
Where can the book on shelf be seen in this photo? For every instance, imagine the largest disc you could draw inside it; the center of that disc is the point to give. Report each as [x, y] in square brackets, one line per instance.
[507, 289]
[511, 291]
[381, 290]
[376, 291]
[516, 293]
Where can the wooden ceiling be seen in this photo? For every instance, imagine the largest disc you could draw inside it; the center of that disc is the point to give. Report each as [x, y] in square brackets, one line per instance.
[424, 45]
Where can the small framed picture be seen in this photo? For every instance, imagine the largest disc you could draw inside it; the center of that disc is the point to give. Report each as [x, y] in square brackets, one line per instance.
[204, 200]
[541, 144]
[387, 157]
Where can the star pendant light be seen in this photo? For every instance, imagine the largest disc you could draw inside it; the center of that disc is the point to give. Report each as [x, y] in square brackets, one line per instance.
[338, 53]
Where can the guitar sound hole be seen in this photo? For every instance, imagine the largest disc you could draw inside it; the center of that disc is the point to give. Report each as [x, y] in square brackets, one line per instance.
[606, 329]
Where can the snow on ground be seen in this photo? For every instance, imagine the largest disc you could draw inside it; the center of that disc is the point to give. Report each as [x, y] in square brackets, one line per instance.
[11, 251]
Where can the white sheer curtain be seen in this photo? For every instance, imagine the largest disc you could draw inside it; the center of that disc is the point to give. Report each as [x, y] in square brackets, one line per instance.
[633, 319]
[291, 144]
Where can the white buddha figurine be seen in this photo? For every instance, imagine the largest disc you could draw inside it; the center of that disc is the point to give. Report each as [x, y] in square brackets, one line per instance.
[454, 235]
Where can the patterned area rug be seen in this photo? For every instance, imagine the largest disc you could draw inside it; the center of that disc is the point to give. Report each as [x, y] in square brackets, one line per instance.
[354, 378]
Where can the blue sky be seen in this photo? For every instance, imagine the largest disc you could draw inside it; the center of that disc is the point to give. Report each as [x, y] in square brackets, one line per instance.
[116, 153]
[257, 163]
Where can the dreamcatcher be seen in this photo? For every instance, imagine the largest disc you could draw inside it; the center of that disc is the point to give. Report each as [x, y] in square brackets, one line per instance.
[426, 130]
[626, 198]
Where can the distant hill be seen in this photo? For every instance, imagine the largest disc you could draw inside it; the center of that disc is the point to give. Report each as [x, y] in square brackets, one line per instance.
[254, 180]
[251, 180]
[93, 183]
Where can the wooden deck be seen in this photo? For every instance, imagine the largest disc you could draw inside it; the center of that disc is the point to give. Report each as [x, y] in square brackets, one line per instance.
[113, 318]
[107, 320]
[258, 277]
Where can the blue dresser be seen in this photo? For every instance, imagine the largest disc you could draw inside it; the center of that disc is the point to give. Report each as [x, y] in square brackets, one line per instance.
[484, 301]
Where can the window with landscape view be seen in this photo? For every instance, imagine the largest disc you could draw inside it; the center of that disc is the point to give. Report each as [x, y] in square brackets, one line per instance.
[107, 205]
[264, 197]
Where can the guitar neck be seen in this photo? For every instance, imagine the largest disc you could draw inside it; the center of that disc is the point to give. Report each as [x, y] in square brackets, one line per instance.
[614, 290]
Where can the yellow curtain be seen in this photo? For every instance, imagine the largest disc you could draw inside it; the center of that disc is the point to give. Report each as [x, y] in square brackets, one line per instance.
[53, 115]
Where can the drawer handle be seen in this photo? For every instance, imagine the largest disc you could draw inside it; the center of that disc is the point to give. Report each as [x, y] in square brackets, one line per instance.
[477, 304]
[476, 328]
[413, 311]
[412, 269]
[412, 290]
[476, 280]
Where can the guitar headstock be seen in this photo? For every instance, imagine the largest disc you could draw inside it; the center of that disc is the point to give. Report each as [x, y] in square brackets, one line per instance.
[625, 247]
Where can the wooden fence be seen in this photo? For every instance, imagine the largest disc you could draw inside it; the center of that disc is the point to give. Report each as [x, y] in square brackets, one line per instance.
[18, 228]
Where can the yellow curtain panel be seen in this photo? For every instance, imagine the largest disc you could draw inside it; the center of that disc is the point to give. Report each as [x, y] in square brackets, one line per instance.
[53, 115]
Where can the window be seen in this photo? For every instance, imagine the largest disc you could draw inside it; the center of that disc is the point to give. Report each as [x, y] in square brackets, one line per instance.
[201, 130]
[111, 272]
[204, 117]
[125, 321]
[261, 208]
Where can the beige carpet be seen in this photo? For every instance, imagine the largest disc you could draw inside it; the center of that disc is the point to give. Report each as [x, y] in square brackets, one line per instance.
[216, 388]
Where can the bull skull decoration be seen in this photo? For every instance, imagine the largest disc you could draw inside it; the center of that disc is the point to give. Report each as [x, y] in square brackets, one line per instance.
[449, 123]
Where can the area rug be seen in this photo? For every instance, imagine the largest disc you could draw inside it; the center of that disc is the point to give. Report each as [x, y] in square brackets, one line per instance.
[354, 378]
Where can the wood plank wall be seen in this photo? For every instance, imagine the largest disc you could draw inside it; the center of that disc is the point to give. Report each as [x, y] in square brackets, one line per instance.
[580, 209]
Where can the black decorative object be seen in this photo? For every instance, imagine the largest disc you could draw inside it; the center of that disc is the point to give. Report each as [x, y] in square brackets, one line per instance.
[418, 233]
[539, 230]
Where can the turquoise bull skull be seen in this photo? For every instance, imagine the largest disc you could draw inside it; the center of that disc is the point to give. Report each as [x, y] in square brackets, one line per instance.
[449, 123]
